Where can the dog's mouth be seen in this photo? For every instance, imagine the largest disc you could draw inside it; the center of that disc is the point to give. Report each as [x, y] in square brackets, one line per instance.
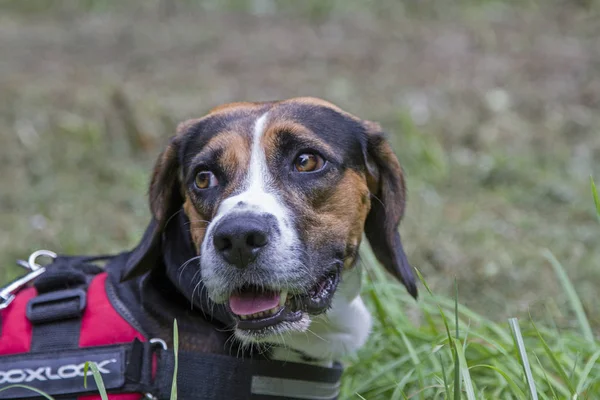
[256, 308]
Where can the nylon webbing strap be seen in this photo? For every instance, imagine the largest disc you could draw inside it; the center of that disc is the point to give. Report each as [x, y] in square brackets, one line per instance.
[124, 369]
[56, 319]
[213, 376]
[127, 368]
[55, 313]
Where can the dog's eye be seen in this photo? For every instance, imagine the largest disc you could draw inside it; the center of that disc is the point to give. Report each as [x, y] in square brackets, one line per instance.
[308, 162]
[205, 180]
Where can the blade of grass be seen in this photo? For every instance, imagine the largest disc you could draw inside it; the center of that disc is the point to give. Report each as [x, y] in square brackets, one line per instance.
[572, 374]
[595, 195]
[382, 315]
[47, 396]
[98, 378]
[176, 355]
[457, 361]
[86, 368]
[399, 391]
[554, 396]
[464, 371]
[452, 343]
[560, 272]
[586, 371]
[554, 361]
[511, 383]
[385, 369]
[446, 387]
[441, 311]
[516, 331]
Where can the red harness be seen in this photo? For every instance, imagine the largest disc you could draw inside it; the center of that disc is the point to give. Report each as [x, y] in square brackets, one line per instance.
[73, 315]
[97, 316]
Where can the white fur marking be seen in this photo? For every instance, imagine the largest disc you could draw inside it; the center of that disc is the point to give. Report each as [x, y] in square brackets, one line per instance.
[339, 332]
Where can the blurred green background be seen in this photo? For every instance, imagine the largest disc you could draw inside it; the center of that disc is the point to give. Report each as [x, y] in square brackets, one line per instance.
[492, 107]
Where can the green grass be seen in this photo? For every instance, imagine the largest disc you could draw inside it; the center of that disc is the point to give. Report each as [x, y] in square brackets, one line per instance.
[595, 195]
[416, 353]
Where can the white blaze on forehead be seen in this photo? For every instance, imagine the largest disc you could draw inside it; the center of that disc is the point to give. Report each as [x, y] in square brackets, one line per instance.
[258, 173]
[257, 194]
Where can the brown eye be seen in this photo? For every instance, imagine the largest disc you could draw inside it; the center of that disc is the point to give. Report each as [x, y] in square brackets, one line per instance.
[308, 162]
[205, 180]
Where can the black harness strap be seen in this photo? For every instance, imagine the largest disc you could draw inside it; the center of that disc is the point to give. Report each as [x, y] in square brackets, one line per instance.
[214, 376]
[61, 373]
[56, 319]
[127, 368]
[55, 313]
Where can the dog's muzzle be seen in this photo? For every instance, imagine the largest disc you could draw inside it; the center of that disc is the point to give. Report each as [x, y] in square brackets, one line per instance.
[267, 283]
[257, 308]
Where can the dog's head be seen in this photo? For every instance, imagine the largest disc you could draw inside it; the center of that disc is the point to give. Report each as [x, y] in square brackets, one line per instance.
[278, 195]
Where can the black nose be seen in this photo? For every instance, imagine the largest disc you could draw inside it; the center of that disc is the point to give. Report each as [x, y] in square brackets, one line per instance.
[239, 239]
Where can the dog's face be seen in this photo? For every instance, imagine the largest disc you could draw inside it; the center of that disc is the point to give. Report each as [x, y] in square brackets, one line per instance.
[278, 195]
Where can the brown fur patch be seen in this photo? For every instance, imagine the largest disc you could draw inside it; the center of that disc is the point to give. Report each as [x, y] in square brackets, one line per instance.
[235, 150]
[340, 218]
[198, 223]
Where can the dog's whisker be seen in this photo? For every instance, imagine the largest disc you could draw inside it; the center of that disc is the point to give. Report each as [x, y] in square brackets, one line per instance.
[309, 331]
[191, 221]
[185, 264]
[171, 217]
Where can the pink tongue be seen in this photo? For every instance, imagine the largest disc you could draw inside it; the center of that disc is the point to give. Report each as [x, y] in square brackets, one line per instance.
[249, 303]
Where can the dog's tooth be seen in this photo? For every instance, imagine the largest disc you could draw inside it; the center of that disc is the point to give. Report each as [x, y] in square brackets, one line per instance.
[283, 297]
[243, 316]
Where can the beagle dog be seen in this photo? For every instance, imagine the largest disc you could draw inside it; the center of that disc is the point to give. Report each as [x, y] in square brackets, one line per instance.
[273, 199]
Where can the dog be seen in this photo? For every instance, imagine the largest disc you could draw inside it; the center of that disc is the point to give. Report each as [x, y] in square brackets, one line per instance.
[258, 212]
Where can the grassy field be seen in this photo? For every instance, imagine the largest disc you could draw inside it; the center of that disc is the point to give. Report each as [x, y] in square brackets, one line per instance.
[493, 108]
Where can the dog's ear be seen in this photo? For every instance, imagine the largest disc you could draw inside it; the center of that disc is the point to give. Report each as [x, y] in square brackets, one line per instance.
[165, 201]
[165, 187]
[388, 193]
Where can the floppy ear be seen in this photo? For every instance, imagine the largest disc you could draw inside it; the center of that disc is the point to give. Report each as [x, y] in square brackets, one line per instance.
[165, 200]
[388, 193]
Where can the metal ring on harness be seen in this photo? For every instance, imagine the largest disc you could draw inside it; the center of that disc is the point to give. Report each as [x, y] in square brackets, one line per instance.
[35, 255]
[160, 342]
[7, 293]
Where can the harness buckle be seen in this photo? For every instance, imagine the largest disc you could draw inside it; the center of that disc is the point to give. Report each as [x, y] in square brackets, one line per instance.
[59, 305]
[8, 292]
